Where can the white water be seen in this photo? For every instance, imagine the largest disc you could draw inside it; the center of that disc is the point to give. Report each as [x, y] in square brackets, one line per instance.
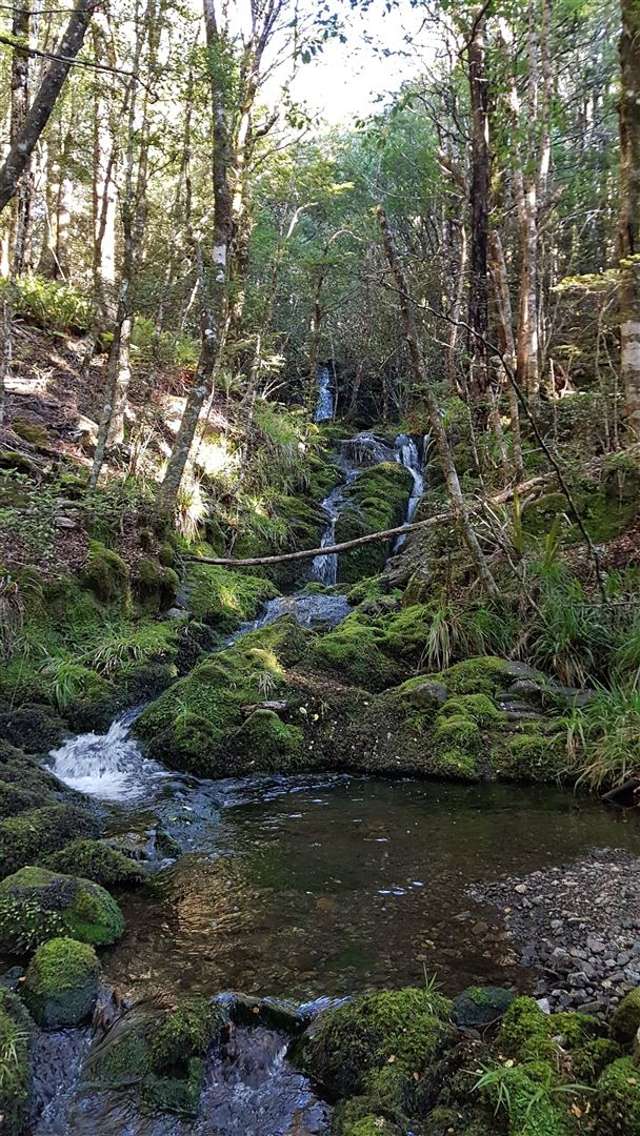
[110, 766]
[408, 454]
[325, 404]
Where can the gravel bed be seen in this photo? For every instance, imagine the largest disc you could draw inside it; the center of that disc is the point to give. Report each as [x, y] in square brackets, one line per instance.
[578, 925]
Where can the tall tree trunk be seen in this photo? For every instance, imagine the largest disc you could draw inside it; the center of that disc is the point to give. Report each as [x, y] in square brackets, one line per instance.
[504, 325]
[19, 110]
[479, 200]
[629, 223]
[44, 100]
[438, 432]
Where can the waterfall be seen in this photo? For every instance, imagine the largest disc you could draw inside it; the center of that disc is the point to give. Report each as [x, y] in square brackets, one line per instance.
[411, 456]
[110, 766]
[325, 404]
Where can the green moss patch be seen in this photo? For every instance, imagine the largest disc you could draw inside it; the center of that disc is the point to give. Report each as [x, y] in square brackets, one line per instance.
[224, 598]
[26, 838]
[61, 983]
[97, 861]
[375, 501]
[16, 1031]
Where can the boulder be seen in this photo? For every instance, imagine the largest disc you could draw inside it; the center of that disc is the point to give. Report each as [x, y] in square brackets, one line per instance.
[36, 905]
[479, 1006]
[61, 983]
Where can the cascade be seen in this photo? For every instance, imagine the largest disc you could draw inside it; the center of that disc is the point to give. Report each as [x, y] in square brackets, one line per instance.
[108, 766]
[325, 404]
[412, 456]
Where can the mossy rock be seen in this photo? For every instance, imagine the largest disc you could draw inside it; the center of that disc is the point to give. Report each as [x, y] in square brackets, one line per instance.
[346, 1045]
[155, 585]
[279, 746]
[531, 756]
[625, 1021]
[528, 1034]
[617, 1101]
[161, 1054]
[201, 723]
[375, 501]
[16, 1030]
[14, 800]
[588, 1061]
[106, 574]
[480, 1006]
[61, 984]
[95, 860]
[354, 653]
[31, 432]
[36, 905]
[34, 728]
[24, 773]
[26, 838]
[223, 598]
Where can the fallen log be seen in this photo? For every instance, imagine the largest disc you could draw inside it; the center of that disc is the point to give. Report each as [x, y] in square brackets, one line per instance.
[385, 534]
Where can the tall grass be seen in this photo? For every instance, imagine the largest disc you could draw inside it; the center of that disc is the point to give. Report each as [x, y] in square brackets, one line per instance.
[603, 738]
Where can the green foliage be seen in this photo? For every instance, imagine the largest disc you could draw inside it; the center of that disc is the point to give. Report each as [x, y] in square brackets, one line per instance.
[53, 305]
[16, 1031]
[603, 737]
[24, 839]
[617, 1103]
[106, 573]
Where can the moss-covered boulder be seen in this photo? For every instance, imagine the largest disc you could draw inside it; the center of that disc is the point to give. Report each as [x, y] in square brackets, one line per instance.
[155, 585]
[61, 984]
[33, 728]
[160, 1054]
[95, 860]
[480, 1006]
[106, 574]
[354, 653]
[214, 722]
[617, 1102]
[14, 800]
[26, 838]
[625, 1022]
[375, 501]
[16, 1030]
[528, 1034]
[223, 598]
[408, 1029]
[36, 905]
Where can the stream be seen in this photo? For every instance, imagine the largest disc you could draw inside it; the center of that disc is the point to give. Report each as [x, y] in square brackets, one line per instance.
[300, 887]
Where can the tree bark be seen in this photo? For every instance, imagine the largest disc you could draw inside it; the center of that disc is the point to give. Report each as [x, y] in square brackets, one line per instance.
[438, 432]
[504, 327]
[44, 100]
[479, 200]
[19, 110]
[629, 221]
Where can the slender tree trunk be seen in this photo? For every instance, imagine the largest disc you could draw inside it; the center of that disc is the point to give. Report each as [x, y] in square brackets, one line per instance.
[19, 110]
[438, 432]
[479, 199]
[456, 312]
[506, 343]
[629, 223]
[44, 100]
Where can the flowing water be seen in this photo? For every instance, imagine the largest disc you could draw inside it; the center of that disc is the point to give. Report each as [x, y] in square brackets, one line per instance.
[325, 405]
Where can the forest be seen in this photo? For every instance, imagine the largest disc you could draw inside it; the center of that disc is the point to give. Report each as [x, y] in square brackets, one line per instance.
[320, 568]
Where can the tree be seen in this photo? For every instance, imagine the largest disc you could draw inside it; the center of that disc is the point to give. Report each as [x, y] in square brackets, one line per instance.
[39, 113]
[629, 223]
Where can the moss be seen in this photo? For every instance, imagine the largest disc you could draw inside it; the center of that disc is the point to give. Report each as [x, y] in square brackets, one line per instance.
[95, 860]
[223, 598]
[617, 1102]
[30, 431]
[480, 1006]
[279, 746]
[14, 800]
[354, 652]
[200, 723]
[530, 756]
[26, 838]
[528, 1034]
[484, 674]
[375, 501]
[179, 1095]
[533, 1110]
[106, 573]
[349, 1043]
[36, 905]
[589, 1060]
[186, 1032]
[61, 983]
[456, 745]
[15, 1063]
[625, 1021]
[155, 585]
[371, 588]
[33, 728]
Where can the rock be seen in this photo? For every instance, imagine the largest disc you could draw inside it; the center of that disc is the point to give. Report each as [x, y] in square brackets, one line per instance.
[274, 1013]
[26, 838]
[10, 980]
[61, 984]
[98, 861]
[479, 1006]
[428, 695]
[36, 905]
[626, 1018]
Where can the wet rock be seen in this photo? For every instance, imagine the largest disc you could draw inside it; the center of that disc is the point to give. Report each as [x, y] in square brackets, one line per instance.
[36, 905]
[61, 983]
